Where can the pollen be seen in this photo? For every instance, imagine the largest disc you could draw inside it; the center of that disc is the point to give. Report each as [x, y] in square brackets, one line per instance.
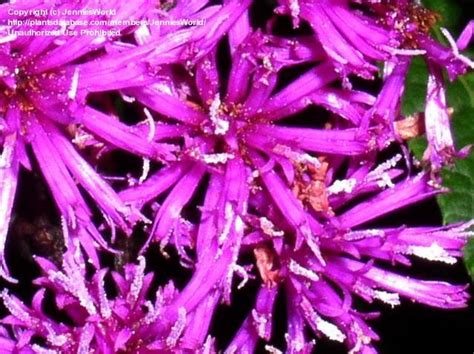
[410, 21]
[24, 85]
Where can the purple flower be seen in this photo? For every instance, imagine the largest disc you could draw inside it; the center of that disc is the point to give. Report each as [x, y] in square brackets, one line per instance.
[271, 190]
[97, 323]
[412, 23]
[226, 144]
[399, 31]
[227, 136]
[45, 81]
[441, 149]
[353, 41]
[350, 261]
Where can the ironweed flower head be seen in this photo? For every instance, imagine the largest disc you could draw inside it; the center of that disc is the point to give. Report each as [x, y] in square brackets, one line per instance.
[228, 133]
[44, 84]
[97, 323]
[271, 190]
[393, 32]
[413, 23]
[352, 262]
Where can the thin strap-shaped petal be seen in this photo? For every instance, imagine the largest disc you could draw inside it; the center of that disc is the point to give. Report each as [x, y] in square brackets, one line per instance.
[8, 184]
[257, 324]
[198, 326]
[123, 136]
[403, 194]
[168, 105]
[432, 293]
[207, 77]
[306, 84]
[155, 184]
[343, 142]
[100, 190]
[303, 224]
[170, 211]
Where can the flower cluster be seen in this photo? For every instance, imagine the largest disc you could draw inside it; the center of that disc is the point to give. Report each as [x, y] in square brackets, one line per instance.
[236, 162]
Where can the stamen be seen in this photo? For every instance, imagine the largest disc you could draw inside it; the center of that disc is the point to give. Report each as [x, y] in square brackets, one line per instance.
[342, 186]
[85, 339]
[295, 12]
[15, 308]
[330, 330]
[221, 126]
[385, 181]
[298, 269]
[150, 136]
[242, 273]
[65, 231]
[177, 328]
[361, 339]
[152, 314]
[7, 153]
[214, 159]
[229, 216]
[272, 350]
[261, 323]
[296, 157]
[268, 228]
[145, 171]
[404, 52]
[57, 340]
[151, 124]
[40, 350]
[128, 99]
[74, 85]
[392, 299]
[137, 282]
[104, 305]
[432, 253]
[455, 48]
[208, 346]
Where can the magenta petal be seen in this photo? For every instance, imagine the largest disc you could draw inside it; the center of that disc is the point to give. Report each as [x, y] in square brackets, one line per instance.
[105, 196]
[154, 185]
[402, 194]
[122, 136]
[8, 184]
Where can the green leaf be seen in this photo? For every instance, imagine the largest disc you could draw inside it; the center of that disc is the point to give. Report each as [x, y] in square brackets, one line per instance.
[415, 87]
[468, 258]
[458, 205]
[414, 100]
[418, 146]
[449, 10]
